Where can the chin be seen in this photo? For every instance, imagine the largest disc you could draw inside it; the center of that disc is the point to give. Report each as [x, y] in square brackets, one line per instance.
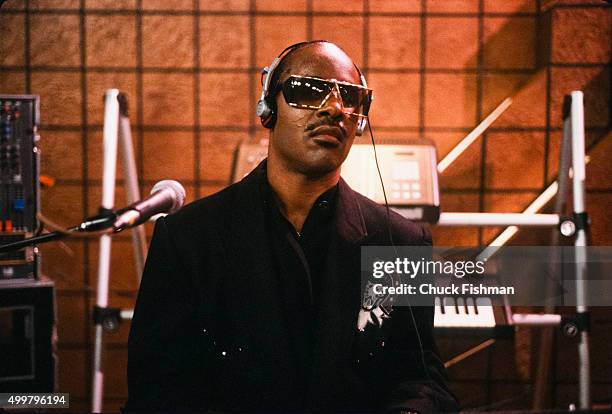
[320, 166]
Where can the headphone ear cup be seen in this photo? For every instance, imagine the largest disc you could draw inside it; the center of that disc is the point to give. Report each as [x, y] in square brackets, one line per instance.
[268, 121]
[267, 115]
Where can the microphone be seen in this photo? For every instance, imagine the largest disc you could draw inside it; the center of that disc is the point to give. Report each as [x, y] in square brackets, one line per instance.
[167, 196]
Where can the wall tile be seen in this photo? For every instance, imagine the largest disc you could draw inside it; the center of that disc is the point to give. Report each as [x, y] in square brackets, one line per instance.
[122, 274]
[464, 172]
[598, 170]
[224, 99]
[115, 366]
[111, 4]
[554, 148]
[278, 6]
[111, 41]
[346, 32]
[598, 206]
[12, 82]
[337, 6]
[12, 47]
[517, 6]
[62, 261]
[452, 6]
[396, 99]
[528, 93]
[208, 190]
[452, 42]
[450, 100]
[594, 82]
[400, 6]
[217, 153]
[574, 2]
[394, 42]
[58, 43]
[273, 34]
[224, 5]
[62, 204]
[515, 160]
[168, 98]
[169, 5]
[506, 45]
[73, 370]
[54, 162]
[225, 41]
[71, 318]
[167, 41]
[97, 85]
[57, 90]
[578, 33]
[46, 4]
[168, 155]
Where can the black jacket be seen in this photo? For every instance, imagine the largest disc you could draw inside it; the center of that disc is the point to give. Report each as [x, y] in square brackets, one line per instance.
[209, 331]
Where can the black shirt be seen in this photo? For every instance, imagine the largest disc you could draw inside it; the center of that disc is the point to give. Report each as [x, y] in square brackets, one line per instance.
[302, 254]
[299, 260]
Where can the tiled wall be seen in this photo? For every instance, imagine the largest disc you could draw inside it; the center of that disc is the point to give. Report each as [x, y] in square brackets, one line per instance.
[190, 70]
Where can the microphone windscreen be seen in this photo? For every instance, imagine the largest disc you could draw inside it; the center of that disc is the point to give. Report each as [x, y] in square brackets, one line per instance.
[177, 190]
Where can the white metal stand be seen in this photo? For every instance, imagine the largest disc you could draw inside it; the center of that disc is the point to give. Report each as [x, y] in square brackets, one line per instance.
[530, 218]
[116, 130]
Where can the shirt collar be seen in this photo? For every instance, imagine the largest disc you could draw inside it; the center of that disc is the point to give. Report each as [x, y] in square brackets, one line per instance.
[325, 203]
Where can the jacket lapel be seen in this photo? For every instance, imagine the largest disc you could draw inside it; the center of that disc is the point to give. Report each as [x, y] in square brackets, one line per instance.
[249, 256]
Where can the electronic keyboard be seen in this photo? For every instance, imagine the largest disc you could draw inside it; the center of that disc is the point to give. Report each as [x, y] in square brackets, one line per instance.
[469, 314]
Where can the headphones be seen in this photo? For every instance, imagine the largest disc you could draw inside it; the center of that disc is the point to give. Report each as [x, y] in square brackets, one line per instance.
[265, 109]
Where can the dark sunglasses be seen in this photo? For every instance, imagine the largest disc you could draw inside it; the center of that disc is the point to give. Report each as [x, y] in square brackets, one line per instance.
[312, 93]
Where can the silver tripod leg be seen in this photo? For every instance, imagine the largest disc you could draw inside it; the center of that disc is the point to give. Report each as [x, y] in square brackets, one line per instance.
[116, 131]
[111, 131]
[578, 183]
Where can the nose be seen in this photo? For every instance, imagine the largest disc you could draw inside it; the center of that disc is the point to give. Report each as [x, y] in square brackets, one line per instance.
[332, 106]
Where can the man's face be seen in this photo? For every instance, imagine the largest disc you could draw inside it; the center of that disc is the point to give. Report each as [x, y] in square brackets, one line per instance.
[315, 142]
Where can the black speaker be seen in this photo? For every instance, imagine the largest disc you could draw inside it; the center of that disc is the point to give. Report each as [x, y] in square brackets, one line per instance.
[27, 336]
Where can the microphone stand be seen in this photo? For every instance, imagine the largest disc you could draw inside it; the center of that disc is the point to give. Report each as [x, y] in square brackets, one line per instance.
[92, 224]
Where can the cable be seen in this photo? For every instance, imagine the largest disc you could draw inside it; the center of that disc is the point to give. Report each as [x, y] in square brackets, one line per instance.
[61, 229]
[414, 323]
[382, 184]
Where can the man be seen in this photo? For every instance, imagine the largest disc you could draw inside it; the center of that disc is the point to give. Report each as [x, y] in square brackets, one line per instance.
[250, 298]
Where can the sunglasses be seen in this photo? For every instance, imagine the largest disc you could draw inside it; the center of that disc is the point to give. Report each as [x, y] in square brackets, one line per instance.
[312, 93]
